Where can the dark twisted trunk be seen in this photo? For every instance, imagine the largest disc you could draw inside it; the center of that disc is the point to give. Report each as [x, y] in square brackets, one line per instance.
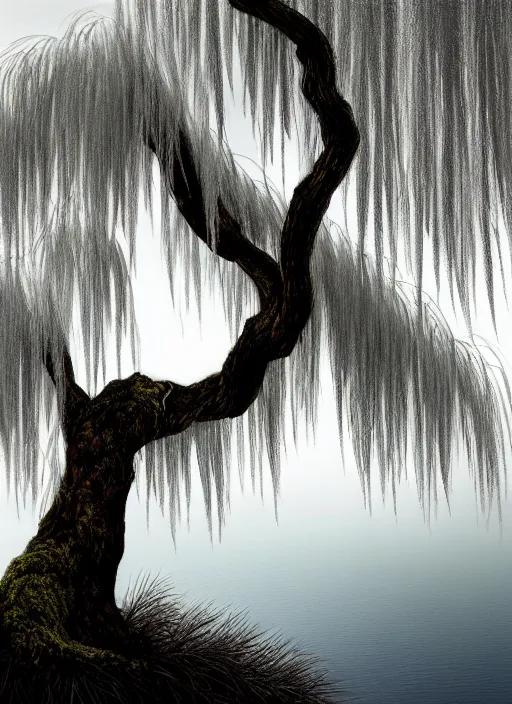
[57, 599]
[57, 602]
[86, 523]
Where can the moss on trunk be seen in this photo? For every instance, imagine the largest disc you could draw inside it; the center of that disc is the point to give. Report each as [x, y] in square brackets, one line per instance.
[57, 598]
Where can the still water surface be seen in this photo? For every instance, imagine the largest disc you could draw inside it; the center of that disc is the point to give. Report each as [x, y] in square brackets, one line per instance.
[397, 611]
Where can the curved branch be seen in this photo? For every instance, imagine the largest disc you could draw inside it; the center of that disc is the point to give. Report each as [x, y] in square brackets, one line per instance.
[182, 180]
[75, 398]
[312, 196]
[286, 303]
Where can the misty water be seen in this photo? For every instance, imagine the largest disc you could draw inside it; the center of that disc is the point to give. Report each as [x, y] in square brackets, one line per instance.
[396, 610]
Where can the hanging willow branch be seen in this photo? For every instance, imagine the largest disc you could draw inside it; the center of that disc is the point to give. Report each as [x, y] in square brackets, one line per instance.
[429, 83]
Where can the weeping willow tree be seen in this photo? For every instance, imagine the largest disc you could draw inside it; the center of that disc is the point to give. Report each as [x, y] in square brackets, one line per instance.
[88, 122]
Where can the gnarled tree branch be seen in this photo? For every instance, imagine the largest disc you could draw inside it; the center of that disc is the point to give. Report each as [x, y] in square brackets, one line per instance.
[286, 293]
[181, 178]
[75, 399]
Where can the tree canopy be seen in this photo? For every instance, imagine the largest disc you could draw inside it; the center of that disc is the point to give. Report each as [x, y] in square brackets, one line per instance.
[86, 119]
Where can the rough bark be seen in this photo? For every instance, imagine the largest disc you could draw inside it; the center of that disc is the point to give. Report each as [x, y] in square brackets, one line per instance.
[57, 599]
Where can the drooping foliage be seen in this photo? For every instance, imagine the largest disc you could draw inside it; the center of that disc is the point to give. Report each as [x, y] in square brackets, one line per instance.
[430, 85]
[74, 117]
